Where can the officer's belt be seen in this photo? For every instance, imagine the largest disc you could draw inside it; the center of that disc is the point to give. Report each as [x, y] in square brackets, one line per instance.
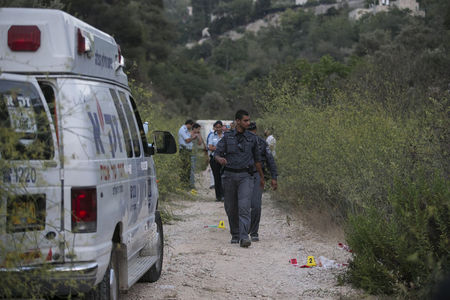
[236, 170]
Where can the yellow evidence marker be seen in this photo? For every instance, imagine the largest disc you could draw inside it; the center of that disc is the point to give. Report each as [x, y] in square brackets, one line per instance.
[221, 224]
[310, 261]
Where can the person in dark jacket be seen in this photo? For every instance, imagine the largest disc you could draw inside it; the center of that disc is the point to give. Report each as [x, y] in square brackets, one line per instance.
[213, 140]
[239, 154]
[266, 160]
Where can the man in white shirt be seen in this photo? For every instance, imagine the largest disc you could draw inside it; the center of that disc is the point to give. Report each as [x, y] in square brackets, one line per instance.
[271, 141]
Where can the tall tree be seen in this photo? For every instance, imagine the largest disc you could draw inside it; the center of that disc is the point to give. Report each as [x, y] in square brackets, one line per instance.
[55, 4]
[139, 26]
[261, 6]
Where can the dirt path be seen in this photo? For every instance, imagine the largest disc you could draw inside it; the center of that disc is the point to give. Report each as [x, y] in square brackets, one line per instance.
[201, 263]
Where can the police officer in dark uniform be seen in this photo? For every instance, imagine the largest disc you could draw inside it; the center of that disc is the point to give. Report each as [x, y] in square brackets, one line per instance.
[238, 152]
[266, 160]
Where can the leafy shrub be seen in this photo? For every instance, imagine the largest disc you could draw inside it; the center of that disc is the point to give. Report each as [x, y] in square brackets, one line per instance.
[346, 155]
[342, 148]
[406, 246]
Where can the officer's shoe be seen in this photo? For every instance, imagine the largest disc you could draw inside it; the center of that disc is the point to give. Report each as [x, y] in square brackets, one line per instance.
[245, 243]
[234, 240]
[255, 238]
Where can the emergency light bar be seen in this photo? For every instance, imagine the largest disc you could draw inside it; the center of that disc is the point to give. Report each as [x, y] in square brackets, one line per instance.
[84, 43]
[53, 42]
[24, 38]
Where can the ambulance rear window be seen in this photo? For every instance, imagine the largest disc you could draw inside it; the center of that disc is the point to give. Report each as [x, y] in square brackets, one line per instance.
[24, 129]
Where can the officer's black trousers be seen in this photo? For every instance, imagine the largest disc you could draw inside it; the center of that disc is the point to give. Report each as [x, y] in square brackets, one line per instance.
[256, 206]
[238, 188]
[215, 167]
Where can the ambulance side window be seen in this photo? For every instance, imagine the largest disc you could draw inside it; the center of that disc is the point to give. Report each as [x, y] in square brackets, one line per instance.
[49, 95]
[141, 128]
[133, 128]
[24, 128]
[123, 123]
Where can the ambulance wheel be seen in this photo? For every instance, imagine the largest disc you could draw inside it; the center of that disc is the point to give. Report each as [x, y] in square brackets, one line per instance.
[154, 272]
[108, 288]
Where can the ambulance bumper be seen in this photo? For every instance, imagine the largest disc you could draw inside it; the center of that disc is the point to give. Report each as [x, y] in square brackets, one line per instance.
[53, 279]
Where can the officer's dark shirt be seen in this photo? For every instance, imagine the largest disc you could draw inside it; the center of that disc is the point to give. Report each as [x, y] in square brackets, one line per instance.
[267, 157]
[240, 149]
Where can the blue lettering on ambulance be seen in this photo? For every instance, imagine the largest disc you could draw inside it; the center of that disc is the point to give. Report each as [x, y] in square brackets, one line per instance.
[114, 139]
[96, 126]
[113, 134]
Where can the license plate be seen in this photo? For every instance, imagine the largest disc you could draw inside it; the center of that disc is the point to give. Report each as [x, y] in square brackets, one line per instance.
[26, 213]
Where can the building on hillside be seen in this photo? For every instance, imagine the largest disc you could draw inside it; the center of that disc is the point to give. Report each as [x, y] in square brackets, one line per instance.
[385, 5]
[412, 5]
[205, 33]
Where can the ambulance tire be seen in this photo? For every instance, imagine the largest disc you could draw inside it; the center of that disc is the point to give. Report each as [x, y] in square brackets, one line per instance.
[108, 288]
[154, 272]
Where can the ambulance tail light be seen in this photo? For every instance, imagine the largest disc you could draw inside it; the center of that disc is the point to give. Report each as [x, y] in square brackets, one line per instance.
[84, 210]
[84, 43]
[24, 38]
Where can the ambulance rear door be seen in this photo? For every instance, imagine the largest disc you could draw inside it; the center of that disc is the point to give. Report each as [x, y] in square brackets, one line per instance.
[30, 175]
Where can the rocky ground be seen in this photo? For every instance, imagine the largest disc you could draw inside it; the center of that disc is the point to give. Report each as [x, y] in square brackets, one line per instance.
[200, 263]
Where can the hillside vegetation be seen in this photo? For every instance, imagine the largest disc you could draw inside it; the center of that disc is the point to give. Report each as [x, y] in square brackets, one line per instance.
[360, 110]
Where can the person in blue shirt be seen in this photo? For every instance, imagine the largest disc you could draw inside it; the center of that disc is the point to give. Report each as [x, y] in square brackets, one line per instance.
[239, 154]
[213, 140]
[185, 138]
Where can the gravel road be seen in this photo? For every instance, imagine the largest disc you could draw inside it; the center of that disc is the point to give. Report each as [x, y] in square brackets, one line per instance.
[200, 263]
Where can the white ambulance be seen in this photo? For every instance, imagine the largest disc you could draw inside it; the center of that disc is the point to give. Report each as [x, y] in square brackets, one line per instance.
[78, 193]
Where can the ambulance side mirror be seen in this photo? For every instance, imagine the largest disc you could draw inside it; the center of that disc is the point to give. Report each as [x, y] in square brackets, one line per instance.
[163, 142]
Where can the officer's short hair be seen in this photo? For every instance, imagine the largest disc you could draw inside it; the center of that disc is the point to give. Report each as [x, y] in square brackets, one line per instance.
[240, 114]
[252, 126]
[217, 122]
[189, 122]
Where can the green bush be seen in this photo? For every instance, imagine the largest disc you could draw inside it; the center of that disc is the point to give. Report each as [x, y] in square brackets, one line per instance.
[405, 247]
[344, 139]
[344, 154]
